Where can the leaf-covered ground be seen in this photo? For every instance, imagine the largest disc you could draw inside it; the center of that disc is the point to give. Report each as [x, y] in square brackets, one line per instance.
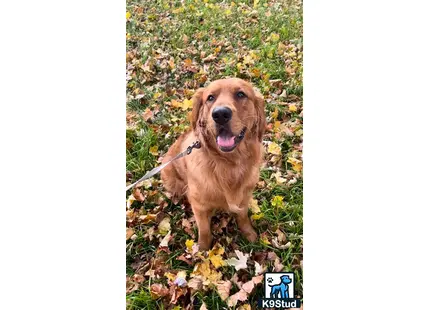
[173, 48]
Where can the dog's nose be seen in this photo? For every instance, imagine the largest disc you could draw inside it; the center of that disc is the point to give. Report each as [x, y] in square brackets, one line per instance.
[221, 115]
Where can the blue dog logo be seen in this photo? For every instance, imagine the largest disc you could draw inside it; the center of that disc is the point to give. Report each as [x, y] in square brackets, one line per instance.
[281, 288]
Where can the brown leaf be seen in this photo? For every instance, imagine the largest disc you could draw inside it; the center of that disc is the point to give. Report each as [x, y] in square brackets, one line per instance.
[223, 289]
[138, 194]
[239, 296]
[147, 114]
[195, 283]
[129, 233]
[158, 290]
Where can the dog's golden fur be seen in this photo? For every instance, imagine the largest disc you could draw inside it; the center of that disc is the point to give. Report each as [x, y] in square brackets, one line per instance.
[210, 178]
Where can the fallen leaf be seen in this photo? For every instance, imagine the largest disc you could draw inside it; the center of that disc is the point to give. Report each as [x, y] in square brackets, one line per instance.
[138, 195]
[127, 15]
[292, 108]
[195, 283]
[147, 114]
[244, 307]
[223, 289]
[259, 269]
[189, 244]
[279, 178]
[297, 164]
[187, 104]
[165, 241]
[158, 290]
[217, 261]
[164, 226]
[254, 206]
[274, 148]
[257, 216]
[153, 150]
[239, 296]
[239, 263]
[203, 306]
[129, 233]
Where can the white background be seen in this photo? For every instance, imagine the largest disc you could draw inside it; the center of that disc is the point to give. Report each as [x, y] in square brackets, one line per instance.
[366, 154]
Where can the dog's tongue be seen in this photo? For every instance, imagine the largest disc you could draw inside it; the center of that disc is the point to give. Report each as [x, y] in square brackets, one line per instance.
[225, 141]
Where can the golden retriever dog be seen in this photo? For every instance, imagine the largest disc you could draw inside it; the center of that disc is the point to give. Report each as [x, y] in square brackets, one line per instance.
[229, 121]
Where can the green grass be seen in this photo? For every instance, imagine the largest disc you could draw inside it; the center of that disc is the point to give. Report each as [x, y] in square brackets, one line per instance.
[260, 41]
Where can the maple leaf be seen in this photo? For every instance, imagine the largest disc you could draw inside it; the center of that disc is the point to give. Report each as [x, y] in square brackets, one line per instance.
[274, 148]
[187, 104]
[223, 289]
[217, 261]
[239, 263]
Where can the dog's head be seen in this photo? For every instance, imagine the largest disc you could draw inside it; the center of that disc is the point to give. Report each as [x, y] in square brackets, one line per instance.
[228, 111]
[285, 279]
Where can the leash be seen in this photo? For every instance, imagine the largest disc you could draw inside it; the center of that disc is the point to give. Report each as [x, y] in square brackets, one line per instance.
[195, 145]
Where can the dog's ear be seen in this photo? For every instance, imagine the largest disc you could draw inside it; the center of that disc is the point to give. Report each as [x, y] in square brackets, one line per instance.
[197, 106]
[260, 123]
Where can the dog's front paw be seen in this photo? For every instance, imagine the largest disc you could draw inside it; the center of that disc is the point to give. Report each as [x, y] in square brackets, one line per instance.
[251, 235]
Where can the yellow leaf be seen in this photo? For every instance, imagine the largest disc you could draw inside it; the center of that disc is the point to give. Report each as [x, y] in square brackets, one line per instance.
[275, 113]
[297, 164]
[227, 12]
[274, 148]
[292, 108]
[276, 126]
[257, 216]
[157, 95]
[278, 201]
[265, 240]
[153, 150]
[189, 244]
[274, 37]
[256, 3]
[254, 206]
[255, 72]
[217, 250]
[176, 103]
[127, 15]
[217, 261]
[187, 104]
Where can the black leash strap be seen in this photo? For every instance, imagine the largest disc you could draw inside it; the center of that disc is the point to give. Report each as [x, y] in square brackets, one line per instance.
[195, 145]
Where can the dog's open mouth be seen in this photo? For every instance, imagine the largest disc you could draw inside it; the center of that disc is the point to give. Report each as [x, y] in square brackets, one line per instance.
[227, 141]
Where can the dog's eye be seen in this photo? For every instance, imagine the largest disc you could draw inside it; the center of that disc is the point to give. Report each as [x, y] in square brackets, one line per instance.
[241, 94]
[211, 98]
